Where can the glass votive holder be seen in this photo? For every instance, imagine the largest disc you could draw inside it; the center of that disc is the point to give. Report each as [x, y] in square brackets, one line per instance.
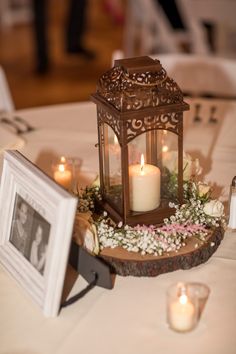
[182, 308]
[62, 172]
[75, 166]
[66, 172]
[201, 291]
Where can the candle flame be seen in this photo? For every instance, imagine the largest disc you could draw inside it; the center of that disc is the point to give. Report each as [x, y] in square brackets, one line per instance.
[165, 148]
[115, 140]
[61, 168]
[183, 299]
[142, 162]
[63, 159]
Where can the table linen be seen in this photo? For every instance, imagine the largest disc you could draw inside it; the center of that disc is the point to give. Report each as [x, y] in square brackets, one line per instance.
[131, 318]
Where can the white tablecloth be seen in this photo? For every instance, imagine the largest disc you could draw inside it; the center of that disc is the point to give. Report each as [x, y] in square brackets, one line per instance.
[131, 318]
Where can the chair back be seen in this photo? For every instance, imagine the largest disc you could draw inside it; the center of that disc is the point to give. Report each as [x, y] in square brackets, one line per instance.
[218, 13]
[6, 102]
[148, 28]
[201, 75]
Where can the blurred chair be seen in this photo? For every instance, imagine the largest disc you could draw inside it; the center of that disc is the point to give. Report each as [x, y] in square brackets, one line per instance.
[199, 75]
[220, 14]
[209, 27]
[6, 102]
[148, 30]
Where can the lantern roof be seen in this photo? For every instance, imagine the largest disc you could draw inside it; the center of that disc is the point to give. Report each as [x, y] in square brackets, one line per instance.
[138, 83]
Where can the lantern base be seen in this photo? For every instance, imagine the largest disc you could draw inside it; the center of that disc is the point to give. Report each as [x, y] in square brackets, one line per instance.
[127, 263]
[153, 217]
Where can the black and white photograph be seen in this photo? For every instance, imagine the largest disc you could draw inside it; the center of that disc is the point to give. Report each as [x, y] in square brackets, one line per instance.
[39, 242]
[30, 233]
[36, 224]
[21, 225]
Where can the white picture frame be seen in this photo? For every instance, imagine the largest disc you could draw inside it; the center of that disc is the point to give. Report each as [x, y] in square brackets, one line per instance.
[36, 223]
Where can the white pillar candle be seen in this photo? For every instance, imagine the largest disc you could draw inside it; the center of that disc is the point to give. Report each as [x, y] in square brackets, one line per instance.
[62, 174]
[182, 315]
[144, 184]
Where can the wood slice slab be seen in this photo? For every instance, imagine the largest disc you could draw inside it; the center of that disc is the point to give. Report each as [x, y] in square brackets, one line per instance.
[194, 253]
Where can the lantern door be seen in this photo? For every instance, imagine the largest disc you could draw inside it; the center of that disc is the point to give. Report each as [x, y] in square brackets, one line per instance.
[153, 161]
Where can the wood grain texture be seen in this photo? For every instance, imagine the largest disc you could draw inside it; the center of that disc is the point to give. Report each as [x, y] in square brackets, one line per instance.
[127, 263]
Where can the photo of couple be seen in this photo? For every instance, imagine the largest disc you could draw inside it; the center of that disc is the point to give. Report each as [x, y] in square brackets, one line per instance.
[30, 233]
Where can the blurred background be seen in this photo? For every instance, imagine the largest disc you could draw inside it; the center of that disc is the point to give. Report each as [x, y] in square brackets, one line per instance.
[69, 77]
[54, 51]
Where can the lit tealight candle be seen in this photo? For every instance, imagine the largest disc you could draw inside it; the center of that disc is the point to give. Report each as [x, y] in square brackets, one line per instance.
[62, 174]
[165, 148]
[145, 181]
[182, 314]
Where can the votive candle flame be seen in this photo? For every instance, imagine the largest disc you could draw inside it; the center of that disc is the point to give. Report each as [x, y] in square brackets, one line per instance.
[62, 174]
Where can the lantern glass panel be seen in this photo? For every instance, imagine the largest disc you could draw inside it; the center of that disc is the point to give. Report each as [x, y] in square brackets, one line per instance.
[153, 170]
[112, 168]
[169, 152]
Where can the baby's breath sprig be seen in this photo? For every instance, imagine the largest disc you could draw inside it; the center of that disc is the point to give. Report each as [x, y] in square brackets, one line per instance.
[191, 219]
[87, 198]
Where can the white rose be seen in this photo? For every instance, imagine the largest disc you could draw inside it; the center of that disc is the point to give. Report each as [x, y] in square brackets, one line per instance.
[190, 167]
[203, 189]
[214, 208]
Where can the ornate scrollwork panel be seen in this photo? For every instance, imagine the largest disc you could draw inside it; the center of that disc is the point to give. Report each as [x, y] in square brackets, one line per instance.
[167, 121]
[108, 118]
[127, 92]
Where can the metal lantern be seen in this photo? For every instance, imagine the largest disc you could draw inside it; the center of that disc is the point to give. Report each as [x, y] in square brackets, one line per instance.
[140, 138]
